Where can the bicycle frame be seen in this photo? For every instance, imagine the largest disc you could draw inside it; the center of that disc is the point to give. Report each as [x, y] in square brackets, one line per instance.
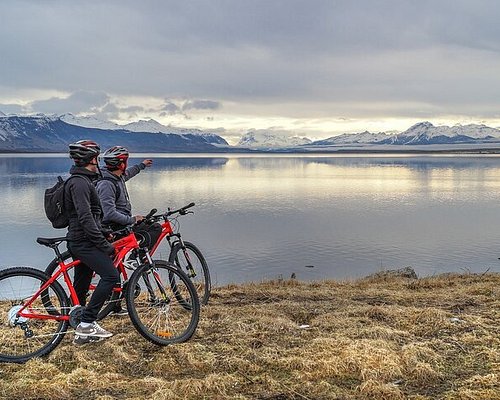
[122, 247]
[168, 232]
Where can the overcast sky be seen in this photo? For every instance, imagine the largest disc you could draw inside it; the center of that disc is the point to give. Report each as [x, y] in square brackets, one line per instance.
[316, 68]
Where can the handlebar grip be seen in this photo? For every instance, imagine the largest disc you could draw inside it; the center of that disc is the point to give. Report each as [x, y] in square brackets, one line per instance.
[151, 213]
[186, 207]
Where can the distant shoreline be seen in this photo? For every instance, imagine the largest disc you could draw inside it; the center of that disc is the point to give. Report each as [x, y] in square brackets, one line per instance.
[479, 151]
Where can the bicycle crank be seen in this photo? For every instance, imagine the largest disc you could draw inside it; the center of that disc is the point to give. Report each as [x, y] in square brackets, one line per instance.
[75, 315]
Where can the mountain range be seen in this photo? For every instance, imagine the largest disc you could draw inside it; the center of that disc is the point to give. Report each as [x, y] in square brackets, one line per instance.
[263, 138]
[418, 136]
[52, 133]
[423, 133]
[42, 133]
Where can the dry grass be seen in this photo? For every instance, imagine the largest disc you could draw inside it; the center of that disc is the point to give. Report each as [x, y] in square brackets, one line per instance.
[377, 338]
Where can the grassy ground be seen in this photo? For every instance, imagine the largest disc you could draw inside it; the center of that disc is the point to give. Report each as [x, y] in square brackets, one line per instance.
[376, 338]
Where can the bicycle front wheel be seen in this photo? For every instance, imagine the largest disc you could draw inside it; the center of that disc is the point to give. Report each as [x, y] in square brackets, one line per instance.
[154, 307]
[190, 261]
[36, 335]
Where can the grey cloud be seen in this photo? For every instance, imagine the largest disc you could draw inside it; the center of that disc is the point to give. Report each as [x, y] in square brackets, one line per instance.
[201, 105]
[76, 103]
[112, 111]
[98, 104]
[443, 54]
[170, 108]
[12, 109]
[132, 109]
[109, 111]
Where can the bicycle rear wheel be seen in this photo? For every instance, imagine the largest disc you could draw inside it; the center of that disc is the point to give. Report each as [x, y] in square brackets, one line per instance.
[154, 308]
[190, 261]
[111, 304]
[22, 338]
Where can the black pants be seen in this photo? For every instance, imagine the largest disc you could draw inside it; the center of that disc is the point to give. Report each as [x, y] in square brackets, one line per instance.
[93, 260]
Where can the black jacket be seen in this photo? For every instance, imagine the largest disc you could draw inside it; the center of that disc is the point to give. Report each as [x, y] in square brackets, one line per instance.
[82, 203]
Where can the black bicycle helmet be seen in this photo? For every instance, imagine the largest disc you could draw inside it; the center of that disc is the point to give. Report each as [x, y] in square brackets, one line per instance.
[84, 151]
[114, 156]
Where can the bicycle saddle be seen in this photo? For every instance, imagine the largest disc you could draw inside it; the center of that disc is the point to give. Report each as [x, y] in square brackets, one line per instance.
[49, 242]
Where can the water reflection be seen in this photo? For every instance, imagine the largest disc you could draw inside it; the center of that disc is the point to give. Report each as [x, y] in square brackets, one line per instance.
[260, 217]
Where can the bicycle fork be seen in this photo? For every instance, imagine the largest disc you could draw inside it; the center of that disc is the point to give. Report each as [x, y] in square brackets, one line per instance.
[191, 272]
[147, 282]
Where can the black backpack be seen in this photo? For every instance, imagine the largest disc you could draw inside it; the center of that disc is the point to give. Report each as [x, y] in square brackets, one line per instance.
[53, 203]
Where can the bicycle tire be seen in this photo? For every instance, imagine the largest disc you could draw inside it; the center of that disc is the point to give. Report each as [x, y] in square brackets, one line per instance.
[108, 306]
[155, 311]
[190, 260]
[17, 285]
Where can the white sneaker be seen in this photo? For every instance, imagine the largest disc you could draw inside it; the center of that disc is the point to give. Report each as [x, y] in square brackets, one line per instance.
[93, 330]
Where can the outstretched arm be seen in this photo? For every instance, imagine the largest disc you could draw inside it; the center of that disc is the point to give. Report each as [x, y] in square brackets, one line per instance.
[135, 169]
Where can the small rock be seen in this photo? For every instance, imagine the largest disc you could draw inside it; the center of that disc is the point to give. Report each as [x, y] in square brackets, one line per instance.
[407, 272]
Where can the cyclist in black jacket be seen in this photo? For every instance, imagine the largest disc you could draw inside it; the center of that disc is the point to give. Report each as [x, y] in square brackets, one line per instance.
[86, 240]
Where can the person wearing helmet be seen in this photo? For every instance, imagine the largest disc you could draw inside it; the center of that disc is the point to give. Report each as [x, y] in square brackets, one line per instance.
[115, 200]
[112, 190]
[86, 240]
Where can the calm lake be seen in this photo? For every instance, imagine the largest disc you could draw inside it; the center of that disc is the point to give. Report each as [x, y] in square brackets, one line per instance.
[262, 217]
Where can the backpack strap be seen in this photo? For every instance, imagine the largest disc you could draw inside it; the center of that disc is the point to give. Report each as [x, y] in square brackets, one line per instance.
[117, 187]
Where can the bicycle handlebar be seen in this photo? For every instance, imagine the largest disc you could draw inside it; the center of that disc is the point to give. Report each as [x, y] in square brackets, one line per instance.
[180, 210]
[151, 213]
[153, 218]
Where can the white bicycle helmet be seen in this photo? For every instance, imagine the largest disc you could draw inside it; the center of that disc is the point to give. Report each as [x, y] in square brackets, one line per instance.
[114, 156]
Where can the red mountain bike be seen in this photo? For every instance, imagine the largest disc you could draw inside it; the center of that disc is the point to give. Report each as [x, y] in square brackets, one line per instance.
[36, 311]
[185, 255]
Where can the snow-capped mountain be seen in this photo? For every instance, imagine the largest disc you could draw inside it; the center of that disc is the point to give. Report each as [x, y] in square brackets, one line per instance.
[353, 138]
[423, 133]
[88, 122]
[53, 133]
[146, 126]
[426, 133]
[149, 126]
[262, 138]
[154, 126]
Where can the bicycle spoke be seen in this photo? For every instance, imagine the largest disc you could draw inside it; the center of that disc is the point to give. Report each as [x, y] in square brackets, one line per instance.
[188, 259]
[28, 335]
[157, 312]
